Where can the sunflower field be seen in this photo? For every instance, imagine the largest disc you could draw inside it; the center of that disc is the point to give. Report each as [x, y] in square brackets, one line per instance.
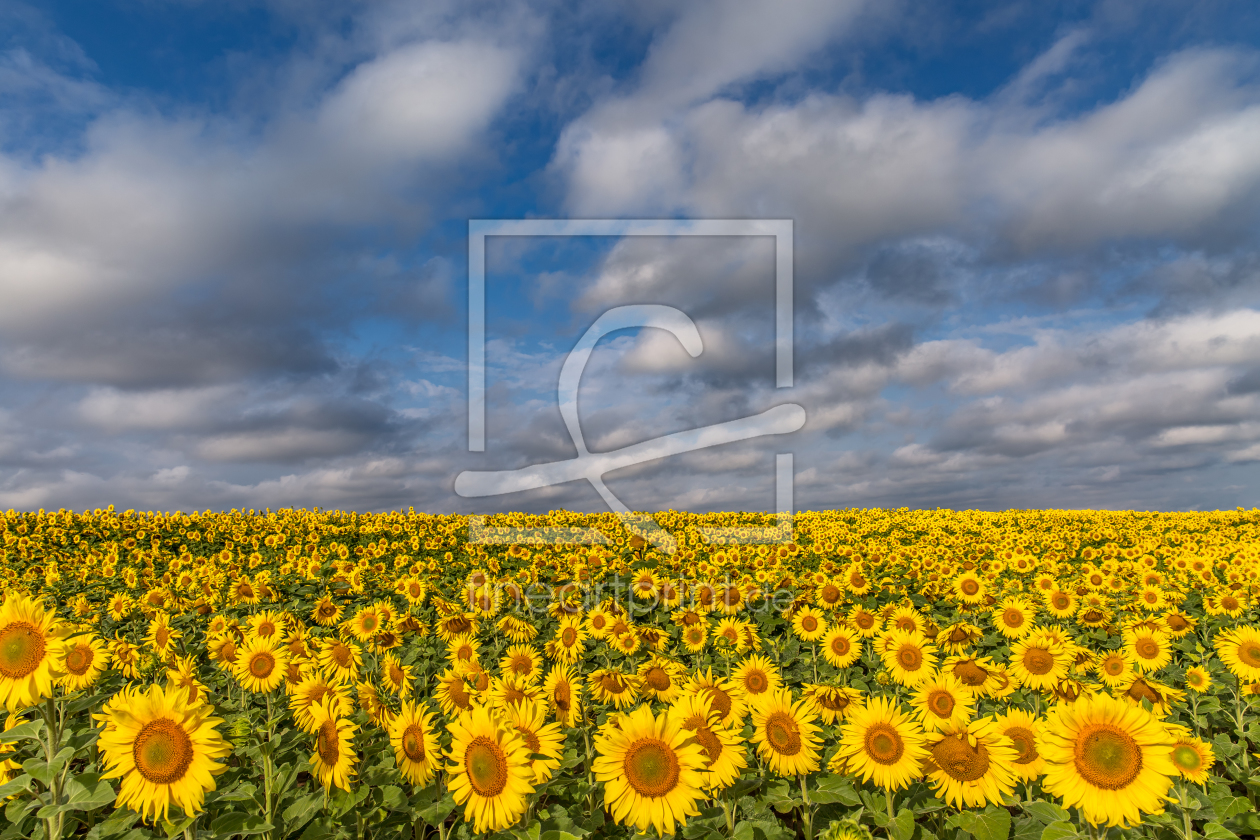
[915, 675]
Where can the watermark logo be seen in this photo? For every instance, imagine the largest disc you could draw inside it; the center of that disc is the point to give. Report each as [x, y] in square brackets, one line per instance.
[592, 467]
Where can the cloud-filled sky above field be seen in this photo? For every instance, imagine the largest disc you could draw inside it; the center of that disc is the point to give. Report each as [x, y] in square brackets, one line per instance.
[234, 247]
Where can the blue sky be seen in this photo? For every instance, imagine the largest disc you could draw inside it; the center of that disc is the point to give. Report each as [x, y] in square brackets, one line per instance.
[233, 249]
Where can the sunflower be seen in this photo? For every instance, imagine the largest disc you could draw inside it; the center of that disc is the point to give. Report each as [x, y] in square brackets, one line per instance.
[415, 745]
[1108, 758]
[334, 758]
[84, 659]
[661, 679]
[1178, 624]
[570, 641]
[831, 702]
[516, 629]
[1039, 662]
[723, 748]
[182, 675]
[881, 744]
[957, 637]
[32, 645]
[1238, 648]
[562, 694]
[943, 704]
[395, 676]
[973, 765]
[1192, 757]
[268, 624]
[259, 667]
[1022, 728]
[829, 595]
[511, 690]
[627, 643]
[327, 612]
[164, 750]
[728, 635]
[1198, 679]
[455, 625]
[809, 624]
[724, 695]
[1014, 617]
[786, 733]
[598, 623]
[522, 661]
[1149, 650]
[119, 606]
[864, 622]
[694, 637]
[161, 636]
[908, 657]
[244, 592]
[758, 677]
[489, 773]
[652, 771]
[1060, 604]
[612, 687]
[969, 588]
[340, 659]
[313, 691]
[1161, 697]
[856, 580]
[841, 647]
[453, 693]
[462, 648]
[1114, 668]
[545, 741]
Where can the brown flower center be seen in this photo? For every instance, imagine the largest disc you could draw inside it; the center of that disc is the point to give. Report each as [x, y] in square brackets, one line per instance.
[884, 744]
[1107, 757]
[782, 733]
[651, 767]
[959, 760]
[162, 752]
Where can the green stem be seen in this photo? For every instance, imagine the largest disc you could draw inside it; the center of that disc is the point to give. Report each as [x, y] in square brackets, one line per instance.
[807, 810]
[815, 663]
[1187, 830]
[892, 815]
[52, 722]
[267, 771]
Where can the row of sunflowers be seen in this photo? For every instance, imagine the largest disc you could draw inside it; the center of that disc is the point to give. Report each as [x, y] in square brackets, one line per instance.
[915, 675]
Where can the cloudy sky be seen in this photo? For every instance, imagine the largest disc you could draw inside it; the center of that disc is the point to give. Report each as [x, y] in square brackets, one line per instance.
[233, 249]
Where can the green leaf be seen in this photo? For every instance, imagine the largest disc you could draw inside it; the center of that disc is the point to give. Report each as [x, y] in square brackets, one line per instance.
[1224, 747]
[1059, 831]
[902, 828]
[990, 824]
[743, 787]
[237, 822]
[117, 823]
[88, 792]
[1046, 812]
[532, 832]
[558, 835]
[438, 812]
[39, 770]
[1229, 805]
[1026, 828]
[11, 788]
[31, 730]
[302, 811]
[832, 789]
[392, 798]
[1216, 831]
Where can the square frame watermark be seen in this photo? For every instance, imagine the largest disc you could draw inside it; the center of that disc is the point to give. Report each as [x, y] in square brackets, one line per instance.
[780, 229]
